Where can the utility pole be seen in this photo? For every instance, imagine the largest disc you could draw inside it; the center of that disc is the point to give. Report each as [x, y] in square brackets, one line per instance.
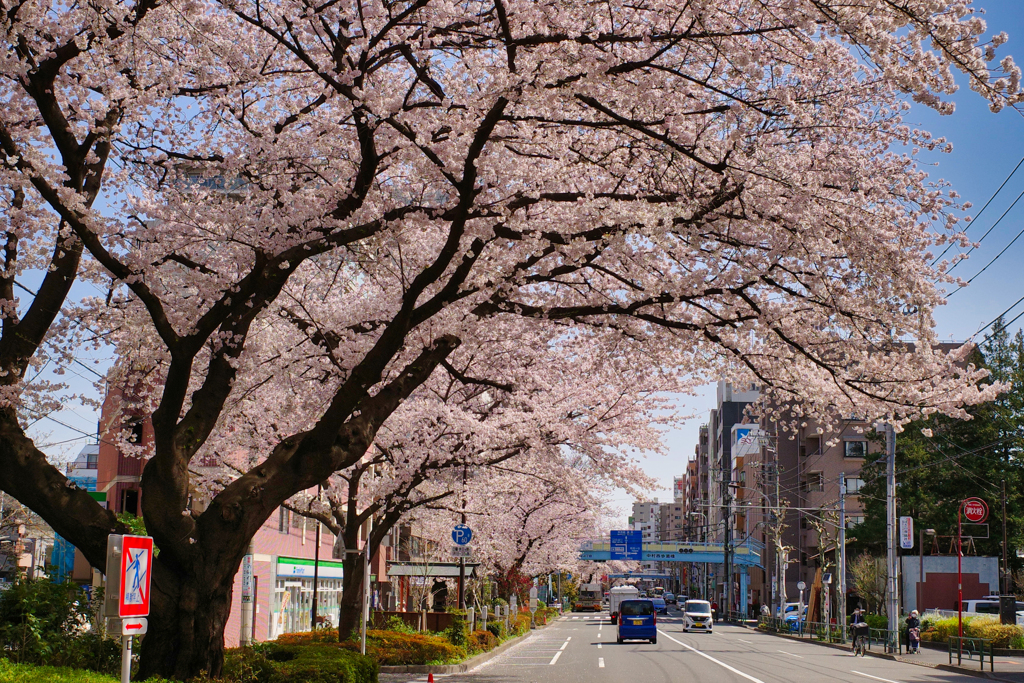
[727, 554]
[316, 565]
[890, 527]
[462, 560]
[842, 553]
[1005, 583]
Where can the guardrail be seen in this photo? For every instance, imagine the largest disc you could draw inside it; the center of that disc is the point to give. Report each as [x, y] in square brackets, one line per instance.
[971, 649]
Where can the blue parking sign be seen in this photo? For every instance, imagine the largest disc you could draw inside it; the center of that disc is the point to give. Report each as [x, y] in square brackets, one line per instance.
[462, 534]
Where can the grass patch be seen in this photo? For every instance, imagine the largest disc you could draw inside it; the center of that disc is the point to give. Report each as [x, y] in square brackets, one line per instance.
[30, 673]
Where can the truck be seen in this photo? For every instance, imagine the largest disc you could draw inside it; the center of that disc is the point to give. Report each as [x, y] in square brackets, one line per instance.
[617, 595]
[589, 599]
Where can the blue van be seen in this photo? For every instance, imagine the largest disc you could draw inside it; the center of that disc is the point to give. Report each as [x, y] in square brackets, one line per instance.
[637, 621]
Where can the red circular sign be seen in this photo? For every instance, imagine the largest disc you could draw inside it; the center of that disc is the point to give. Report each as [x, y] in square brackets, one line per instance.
[975, 510]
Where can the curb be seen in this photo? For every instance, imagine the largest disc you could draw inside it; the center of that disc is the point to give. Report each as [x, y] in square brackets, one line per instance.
[882, 655]
[461, 667]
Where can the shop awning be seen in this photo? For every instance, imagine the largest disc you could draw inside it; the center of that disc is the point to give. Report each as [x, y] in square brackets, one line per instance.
[441, 570]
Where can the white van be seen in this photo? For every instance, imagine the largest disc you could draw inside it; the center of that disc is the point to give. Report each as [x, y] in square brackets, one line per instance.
[617, 595]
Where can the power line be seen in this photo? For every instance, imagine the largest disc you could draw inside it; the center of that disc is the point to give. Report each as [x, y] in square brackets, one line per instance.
[993, 321]
[950, 246]
[994, 258]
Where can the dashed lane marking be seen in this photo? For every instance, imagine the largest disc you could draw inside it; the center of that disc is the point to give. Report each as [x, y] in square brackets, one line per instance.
[885, 680]
[712, 659]
[600, 662]
[790, 654]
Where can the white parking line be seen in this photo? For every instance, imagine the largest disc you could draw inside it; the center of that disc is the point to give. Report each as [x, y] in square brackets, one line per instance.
[710, 658]
[870, 676]
[600, 662]
[555, 658]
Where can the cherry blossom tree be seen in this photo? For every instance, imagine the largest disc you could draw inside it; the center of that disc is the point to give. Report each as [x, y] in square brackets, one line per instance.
[716, 186]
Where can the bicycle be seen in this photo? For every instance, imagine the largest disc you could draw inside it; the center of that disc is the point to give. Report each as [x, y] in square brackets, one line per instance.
[860, 635]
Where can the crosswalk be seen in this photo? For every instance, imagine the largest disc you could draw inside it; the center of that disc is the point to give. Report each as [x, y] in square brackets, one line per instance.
[587, 617]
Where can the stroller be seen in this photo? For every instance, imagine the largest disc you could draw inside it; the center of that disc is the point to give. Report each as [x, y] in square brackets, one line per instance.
[914, 640]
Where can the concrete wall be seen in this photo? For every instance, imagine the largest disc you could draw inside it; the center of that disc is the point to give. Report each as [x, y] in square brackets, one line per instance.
[939, 590]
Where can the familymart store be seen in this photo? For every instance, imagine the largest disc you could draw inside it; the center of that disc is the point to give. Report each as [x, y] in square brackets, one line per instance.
[293, 594]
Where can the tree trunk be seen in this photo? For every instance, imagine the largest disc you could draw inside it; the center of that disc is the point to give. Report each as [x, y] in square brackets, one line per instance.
[350, 609]
[187, 618]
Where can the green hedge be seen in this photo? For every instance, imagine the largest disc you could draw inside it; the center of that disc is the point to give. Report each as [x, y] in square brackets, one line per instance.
[276, 663]
[1005, 636]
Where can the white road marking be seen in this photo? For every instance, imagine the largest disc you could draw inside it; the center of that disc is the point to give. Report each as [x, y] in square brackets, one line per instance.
[870, 676]
[555, 658]
[790, 654]
[744, 641]
[600, 662]
[599, 646]
[564, 645]
[710, 658]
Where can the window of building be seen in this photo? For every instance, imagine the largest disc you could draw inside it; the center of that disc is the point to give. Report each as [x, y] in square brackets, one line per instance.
[855, 449]
[854, 520]
[810, 446]
[854, 484]
[92, 461]
[815, 481]
[135, 429]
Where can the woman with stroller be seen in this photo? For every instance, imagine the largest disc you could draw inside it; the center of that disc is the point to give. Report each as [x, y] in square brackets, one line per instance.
[913, 633]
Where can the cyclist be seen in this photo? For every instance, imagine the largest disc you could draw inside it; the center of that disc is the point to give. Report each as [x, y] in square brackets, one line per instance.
[860, 633]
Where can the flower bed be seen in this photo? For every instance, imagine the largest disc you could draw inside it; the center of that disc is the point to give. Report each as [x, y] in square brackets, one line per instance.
[988, 627]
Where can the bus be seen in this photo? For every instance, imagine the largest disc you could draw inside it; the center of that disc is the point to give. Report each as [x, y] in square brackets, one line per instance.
[589, 599]
[658, 592]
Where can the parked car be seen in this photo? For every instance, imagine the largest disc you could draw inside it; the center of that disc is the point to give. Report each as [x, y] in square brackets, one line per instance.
[660, 606]
[697, 616]
[670, 598]
[637, 621]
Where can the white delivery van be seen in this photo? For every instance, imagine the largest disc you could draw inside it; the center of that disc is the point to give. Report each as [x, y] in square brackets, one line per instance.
[617, 595]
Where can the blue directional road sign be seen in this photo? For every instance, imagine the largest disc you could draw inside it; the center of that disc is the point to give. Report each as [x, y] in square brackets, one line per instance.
[626, 545]
[462, 534]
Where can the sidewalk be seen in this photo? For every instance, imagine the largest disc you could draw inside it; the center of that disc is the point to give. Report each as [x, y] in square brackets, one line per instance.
[1008, 668]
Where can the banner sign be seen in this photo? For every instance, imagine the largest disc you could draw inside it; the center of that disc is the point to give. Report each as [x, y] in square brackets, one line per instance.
[906, 532]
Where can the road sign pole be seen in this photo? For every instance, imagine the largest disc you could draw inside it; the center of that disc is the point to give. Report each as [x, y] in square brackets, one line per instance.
[126, 659]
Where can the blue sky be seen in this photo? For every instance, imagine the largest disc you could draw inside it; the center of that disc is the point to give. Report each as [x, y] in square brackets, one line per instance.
[986, 147]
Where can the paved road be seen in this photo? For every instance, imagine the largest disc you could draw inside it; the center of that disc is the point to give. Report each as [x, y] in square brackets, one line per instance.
[582, 649]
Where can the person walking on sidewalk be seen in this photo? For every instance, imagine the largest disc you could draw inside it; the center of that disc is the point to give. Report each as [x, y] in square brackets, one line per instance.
[913, 633]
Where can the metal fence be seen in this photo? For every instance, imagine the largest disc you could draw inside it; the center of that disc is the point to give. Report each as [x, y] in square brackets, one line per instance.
[971, 649]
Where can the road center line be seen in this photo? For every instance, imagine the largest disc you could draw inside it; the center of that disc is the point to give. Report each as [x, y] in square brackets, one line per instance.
[555, 658]
[745, 641]
[870, 676]
[790, 654]
[600, 662]
[564, 645]
[710, 658]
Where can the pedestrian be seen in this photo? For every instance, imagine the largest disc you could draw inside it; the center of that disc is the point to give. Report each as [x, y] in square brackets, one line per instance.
[764, 610]
[714, 608]
[914, 633]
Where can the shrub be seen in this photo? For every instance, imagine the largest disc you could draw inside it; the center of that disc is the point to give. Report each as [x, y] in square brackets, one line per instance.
[521, 623]
[30, 673]
[877, 621]
[319, 663]
[458, 632]
[484, 641]
[321, 635]
[39, 619]
[497, 628]
[389, 648]
[398, 625]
